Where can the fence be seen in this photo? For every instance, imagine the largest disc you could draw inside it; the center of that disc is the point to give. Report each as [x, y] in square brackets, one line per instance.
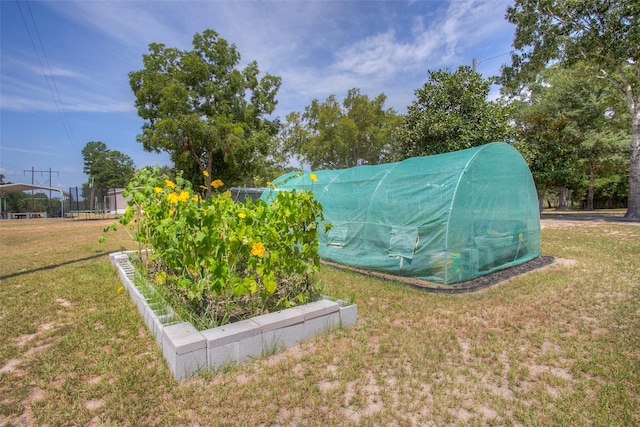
[96, 200]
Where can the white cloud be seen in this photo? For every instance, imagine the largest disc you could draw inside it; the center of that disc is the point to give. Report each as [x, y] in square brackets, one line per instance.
[383, 55]
[129, 23]
[60, 72]
[436, 41]
[48, 153]
[61, 95]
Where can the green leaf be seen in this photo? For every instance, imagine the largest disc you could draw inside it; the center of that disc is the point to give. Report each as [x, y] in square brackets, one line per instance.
[200, 236]
[269, 282]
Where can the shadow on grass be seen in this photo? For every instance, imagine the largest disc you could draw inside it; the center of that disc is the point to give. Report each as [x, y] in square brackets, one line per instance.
[53, 266]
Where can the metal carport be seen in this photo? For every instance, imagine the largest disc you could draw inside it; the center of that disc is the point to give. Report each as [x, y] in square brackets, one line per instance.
[16, 188]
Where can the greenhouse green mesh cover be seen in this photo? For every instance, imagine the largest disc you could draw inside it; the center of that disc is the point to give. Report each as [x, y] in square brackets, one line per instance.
[446, 218]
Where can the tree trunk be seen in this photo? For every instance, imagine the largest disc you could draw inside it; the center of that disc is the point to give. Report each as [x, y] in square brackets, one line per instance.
[633, 208]
[541, 194]
[592, 180]
[562, 199]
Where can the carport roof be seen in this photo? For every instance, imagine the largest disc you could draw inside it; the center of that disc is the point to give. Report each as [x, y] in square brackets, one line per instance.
[15, 188]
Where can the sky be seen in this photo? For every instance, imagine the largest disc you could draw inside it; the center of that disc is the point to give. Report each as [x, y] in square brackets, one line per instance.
[64, 64]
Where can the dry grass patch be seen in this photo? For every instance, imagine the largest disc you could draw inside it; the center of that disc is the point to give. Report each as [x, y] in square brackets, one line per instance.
[558, 346]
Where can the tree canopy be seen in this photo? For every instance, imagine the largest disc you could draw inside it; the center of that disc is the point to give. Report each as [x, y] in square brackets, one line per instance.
[106, 168]
[604, 34]
[451, 112]
[198, 102]
[334, 135]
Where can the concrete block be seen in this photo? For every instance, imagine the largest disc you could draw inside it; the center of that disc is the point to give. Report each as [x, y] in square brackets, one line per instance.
[184, 337]
[320, 325]
[142, 305]
[134, 292]
[184, 349]
[158, 331]
[148, 315]
[272, 342]
[230, 333]
[279, 319]
[333, 321]
[283, 337]
[189, 364]
[117, 257]
[222, 355]
[317, 308]
[348, 315]
[250, 348]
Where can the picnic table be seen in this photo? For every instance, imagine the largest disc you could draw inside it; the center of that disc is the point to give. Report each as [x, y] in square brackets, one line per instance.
[23, 215]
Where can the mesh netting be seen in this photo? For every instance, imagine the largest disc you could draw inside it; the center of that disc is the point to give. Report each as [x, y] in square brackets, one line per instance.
[447, 218]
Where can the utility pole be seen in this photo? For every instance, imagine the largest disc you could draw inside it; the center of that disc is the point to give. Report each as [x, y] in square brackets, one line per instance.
[44, 183]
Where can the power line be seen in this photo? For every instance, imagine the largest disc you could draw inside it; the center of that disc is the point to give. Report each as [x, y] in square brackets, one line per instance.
[48, 74]
[475, 62]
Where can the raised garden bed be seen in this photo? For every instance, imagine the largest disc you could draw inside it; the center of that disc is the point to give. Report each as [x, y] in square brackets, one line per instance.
[189, 351]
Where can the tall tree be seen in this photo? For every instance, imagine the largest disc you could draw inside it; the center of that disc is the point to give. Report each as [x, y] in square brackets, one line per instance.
[106, 168]
[198, 102]
[334, 135]
[451, 112]
[559, 117]
[605, 34]
[602, 153]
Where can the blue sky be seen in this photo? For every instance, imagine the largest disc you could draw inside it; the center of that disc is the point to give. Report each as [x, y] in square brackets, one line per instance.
[64, 64]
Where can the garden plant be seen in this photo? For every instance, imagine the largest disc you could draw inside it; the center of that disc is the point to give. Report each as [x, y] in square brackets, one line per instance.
[221, 260]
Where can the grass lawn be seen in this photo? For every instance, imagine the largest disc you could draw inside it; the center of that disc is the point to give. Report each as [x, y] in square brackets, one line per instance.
[558, 346]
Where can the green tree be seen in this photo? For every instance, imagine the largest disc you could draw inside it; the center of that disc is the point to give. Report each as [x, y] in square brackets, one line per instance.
[106, 168]
[558, 118]
[198, 102]
[451, 112]
[604, 34]
[334, 135]
[603, 155]
[548, 147]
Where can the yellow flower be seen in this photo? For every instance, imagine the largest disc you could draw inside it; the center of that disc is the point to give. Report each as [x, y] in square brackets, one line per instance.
[184, 196]
[170, 212]
[120, 289]
[271, 184]
[242, 215]
[217, 183]
[313, 177]
[170, 184]
[257, 249]
[195, 197]
[172, 198]
[227, 193]
[157, 190]
[205, 173]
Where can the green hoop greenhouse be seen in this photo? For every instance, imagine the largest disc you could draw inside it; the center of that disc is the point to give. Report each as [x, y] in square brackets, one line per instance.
[446, 218]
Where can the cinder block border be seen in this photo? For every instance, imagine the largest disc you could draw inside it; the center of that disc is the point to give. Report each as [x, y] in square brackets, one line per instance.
[188, 351]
